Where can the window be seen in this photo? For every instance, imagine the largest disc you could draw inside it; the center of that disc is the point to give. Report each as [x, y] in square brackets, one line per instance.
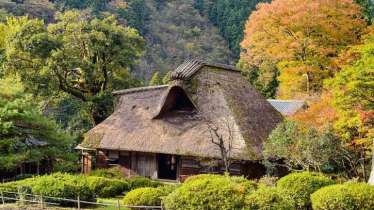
[234, 167]
[189, 163]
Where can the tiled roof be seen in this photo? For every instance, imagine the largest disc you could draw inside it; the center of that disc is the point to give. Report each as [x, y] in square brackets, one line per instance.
[190, 67]
[287, 107]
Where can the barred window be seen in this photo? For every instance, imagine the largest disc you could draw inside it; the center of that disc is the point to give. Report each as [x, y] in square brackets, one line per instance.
[234, 167]
[188, 163]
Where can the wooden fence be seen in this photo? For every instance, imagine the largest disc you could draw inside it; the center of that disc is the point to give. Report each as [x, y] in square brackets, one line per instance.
[40, 200]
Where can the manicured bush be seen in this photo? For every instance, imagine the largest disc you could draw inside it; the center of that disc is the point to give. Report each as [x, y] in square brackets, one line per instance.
[301, 185]
[354, 196]
[144, 197]
[202, 176]
[105, 188]
[112, 173]
[217, 193]
[269, 198]
[63, 186]
[141, 182]
[169, 188]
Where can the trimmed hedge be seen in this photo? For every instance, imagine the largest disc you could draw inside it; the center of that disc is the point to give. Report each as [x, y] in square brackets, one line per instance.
[202, 176]
[63, 186]
[112, 173]
[354, 196]
[269, 198]
[141, 182]
[218, 193]
[105, 188]
[301, 185]
[14, 186]
[147, 196]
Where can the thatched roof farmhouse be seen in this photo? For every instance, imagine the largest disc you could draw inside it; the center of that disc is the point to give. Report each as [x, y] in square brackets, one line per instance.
[154, 131]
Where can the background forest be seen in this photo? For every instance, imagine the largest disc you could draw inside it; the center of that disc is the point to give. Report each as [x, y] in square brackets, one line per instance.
[60, 60]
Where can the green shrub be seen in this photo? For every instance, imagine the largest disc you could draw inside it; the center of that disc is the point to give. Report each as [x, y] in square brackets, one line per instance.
[141, 182]
[63, 186]
[169, 188]
[13, 186]
[354, 196]
[202, 176]
[268, 198]
[144, 197]
[112, 173]
[268, 181]
[217, 193]
[249, 186]
[22, 177]
[301, 185]
[105, 188]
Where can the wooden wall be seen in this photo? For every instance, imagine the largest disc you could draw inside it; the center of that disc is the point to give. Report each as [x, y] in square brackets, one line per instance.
[146, 165]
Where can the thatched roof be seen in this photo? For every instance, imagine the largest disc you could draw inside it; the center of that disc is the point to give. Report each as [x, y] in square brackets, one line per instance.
[288, 107]
[162, 119]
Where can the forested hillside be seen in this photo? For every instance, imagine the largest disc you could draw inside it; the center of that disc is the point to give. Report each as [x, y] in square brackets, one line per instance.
[229, 17]
[174, 32]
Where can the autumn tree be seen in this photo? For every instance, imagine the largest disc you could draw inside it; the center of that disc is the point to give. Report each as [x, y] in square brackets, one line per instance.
[87, 59]
[353, 98]
[302, 39]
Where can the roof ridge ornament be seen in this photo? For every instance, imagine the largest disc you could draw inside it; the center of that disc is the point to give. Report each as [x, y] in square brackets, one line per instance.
[190, 67]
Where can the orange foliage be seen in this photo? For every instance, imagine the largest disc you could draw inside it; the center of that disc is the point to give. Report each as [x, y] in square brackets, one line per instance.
[303, 38]
[319, 114]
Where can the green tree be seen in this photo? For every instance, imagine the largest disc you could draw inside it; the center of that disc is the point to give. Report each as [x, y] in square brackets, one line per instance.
[156, 80]
[309, 150]
[165, 80]
[26, 135]
[87, 59]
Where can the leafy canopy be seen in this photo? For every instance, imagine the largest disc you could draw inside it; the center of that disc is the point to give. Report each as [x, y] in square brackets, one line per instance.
[301, 38]
[87, 59]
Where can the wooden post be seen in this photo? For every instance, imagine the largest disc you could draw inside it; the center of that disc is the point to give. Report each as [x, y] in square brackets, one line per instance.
[119, 207]
[41, 201]
[79, 203]
[2, 197]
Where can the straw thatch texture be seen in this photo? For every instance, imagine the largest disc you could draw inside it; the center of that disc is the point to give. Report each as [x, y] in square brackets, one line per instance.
[144, 119]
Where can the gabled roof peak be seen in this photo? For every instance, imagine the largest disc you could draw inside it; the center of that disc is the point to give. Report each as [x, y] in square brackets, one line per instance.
[190, 67]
